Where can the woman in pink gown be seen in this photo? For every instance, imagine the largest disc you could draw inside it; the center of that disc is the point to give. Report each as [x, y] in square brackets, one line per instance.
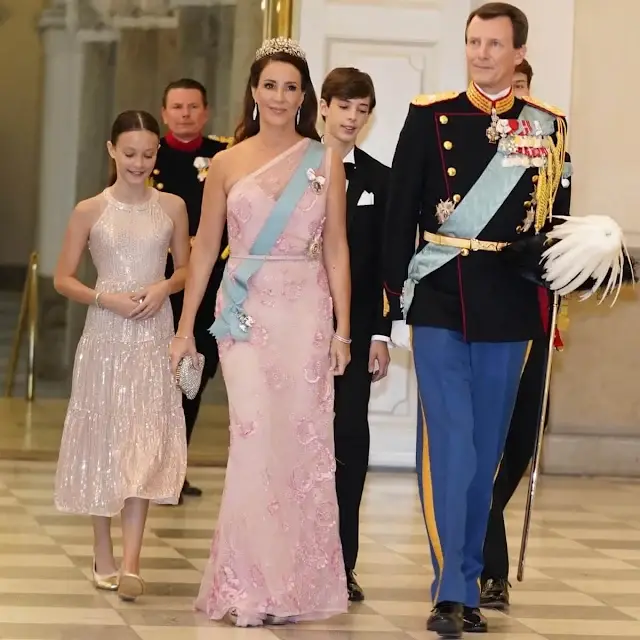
[276, 554]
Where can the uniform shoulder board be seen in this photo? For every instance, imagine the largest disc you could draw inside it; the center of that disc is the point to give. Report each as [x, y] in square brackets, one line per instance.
[549, 108]
[425, 99]
[224, 139]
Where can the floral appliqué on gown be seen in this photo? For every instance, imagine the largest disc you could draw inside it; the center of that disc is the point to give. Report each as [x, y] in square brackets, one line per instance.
[124, 434]
[276, 549]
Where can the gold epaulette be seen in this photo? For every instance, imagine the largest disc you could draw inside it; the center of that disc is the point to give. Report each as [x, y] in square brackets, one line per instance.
[224, 139]
[549, 108]
[425, 99]
[386, 309]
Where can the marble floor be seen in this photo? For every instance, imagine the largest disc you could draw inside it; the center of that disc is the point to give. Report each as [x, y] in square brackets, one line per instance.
[582, 578]
[31, 431]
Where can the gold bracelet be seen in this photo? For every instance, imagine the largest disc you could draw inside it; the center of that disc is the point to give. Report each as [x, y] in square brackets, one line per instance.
[177, 337]
[97, 300]
[341, 339]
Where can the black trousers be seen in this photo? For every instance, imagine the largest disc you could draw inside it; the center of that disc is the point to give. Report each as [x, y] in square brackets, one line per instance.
[515, 460]
[352, 440]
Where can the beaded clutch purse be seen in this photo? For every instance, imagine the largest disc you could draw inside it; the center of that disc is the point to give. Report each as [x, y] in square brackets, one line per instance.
[189, 375]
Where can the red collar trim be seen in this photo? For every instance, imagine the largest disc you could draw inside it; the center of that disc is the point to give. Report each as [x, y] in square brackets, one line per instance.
[179, 145]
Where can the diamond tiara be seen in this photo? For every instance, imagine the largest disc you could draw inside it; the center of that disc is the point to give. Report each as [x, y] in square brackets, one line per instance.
[280, 45]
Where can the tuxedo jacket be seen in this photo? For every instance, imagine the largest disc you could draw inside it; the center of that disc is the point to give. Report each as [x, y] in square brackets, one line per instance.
[366, 204]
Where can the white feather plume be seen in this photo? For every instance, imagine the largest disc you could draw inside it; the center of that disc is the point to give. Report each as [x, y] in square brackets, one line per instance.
[586, 247]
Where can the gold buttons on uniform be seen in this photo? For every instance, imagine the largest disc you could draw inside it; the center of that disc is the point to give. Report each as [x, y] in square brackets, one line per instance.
[160, 186]
[534, 179]
[444, 119]
[156, 172]
[457, 197]
[451, 171]
[448, 145]
[527, 204]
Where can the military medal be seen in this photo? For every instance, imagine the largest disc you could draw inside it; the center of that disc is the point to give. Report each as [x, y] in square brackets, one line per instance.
[530, 218]
[492, 132]
[444, 209]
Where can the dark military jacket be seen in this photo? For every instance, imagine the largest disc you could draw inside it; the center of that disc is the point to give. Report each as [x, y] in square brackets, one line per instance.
[443, 150]
[181, 169]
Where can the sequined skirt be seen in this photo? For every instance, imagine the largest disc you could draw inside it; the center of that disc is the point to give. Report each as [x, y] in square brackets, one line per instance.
[124, 434]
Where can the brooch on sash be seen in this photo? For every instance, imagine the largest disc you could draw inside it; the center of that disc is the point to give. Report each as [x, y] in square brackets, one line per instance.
[316, 181]
[202, 165]
[444, 209]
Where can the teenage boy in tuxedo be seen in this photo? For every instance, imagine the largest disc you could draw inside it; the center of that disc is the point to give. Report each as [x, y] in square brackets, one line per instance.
[347, 101]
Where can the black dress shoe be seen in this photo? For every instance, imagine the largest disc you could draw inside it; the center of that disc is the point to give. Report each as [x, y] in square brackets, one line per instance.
[495, 594]
[446, 620]
[190, 490]
[356, 594]
[474, 621]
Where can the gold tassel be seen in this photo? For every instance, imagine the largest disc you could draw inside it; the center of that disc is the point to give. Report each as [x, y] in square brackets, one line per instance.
[386, 309]
[549, 178]
[563, 316]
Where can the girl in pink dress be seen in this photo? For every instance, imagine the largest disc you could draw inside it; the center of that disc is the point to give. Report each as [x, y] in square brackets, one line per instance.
[124, 440]
[276, 554]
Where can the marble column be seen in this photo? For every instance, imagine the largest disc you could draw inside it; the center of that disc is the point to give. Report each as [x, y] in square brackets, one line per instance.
[248, 31]
[136, 76]
[63, 64]
[205, 44]
[95, 119]
[77, 112]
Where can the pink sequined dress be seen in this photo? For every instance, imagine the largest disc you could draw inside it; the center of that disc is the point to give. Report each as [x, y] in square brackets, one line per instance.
[124, 434]
[276, 549]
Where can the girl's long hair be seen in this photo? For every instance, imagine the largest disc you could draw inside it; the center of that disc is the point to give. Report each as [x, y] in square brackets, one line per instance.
[134, 120]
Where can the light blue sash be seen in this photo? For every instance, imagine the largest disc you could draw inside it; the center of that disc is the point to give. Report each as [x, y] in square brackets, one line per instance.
[474, 212]
[233, 320]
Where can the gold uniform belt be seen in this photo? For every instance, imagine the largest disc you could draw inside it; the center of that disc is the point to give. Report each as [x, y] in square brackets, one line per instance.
[465, 244]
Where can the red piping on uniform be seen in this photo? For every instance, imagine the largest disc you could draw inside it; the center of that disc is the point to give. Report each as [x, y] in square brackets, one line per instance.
[180, 145]
[390, 290]
[543, 299]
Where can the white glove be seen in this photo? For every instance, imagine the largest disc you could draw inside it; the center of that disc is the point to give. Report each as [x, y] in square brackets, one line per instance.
[401, 335]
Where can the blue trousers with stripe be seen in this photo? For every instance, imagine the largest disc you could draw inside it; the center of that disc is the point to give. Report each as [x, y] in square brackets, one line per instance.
[467, 392]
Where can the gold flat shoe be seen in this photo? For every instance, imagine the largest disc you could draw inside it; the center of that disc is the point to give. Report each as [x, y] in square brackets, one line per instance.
[130, 587]
[107, 582]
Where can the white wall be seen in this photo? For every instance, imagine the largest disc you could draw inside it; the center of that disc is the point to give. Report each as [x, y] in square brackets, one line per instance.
[550, 47]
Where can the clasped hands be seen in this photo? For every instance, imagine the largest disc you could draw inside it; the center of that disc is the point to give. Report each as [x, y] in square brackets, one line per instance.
[139, 305]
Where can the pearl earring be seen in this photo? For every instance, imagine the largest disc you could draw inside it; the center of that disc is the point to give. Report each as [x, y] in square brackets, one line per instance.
[255, 110]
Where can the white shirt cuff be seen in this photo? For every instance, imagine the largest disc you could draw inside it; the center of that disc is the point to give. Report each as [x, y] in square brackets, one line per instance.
[378, 338]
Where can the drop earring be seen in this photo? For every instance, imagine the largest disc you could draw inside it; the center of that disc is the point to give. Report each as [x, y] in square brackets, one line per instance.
[255, 110]
[298, 116]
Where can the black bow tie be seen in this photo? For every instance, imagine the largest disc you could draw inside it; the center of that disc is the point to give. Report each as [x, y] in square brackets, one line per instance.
[349, 168]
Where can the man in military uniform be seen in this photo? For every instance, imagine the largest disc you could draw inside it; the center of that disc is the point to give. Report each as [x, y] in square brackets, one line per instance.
[472, 172]
[525, 421]
[181, 168]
